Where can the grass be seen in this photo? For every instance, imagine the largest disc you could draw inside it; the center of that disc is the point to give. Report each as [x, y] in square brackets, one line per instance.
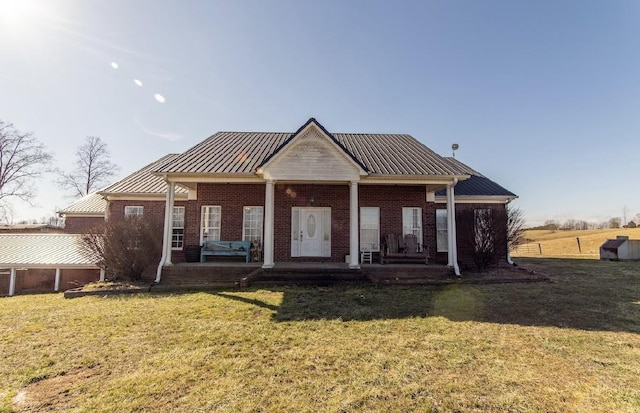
[563, 244]
[569, 345]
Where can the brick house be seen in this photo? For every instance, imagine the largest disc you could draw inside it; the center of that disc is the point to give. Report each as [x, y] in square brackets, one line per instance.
[309, 196]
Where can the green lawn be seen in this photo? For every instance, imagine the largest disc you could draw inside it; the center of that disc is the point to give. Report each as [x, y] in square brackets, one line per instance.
[569, 345]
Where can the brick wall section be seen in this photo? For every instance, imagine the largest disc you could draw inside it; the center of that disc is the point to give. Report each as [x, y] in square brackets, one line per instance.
[233, 197]
[465, 241]
[391, 199]
[42, 280]
[82, 225]
[335, 197]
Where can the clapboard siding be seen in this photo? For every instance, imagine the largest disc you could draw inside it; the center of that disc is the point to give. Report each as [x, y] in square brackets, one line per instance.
[313, 157]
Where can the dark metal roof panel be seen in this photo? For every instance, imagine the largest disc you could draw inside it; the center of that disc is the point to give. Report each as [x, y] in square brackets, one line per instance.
[476, 185]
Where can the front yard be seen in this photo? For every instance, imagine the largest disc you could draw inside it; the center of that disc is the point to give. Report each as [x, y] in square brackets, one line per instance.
[569, 345]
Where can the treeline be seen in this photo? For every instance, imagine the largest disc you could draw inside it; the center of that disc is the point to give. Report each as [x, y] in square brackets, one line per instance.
[576, 224]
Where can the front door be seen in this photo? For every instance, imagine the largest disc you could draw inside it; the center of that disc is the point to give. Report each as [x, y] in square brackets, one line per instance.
[311, 232]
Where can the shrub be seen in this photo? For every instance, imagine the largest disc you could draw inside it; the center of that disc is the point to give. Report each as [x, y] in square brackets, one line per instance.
[124, 248]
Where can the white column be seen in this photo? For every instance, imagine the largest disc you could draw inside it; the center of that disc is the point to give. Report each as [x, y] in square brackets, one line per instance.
[56, 285]
[268, 225]
[169, 221]
[452, 247]
[354, 249]
[12, 282]
[168, 226]
[102, 273]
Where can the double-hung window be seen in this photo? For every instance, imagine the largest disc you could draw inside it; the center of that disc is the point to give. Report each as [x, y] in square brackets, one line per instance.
[369, 229]
[442, 239]
[210, 223]
[177, 234]
[252, 223]
[133, 211]
[412, 223]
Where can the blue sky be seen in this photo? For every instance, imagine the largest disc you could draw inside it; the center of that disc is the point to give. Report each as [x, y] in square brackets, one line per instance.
[543, 97]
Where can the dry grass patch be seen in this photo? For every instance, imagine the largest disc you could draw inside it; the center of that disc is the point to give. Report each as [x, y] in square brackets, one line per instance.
[563, 244]
[570, 345]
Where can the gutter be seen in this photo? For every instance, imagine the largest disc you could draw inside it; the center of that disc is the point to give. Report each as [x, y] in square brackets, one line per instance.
[456, 267]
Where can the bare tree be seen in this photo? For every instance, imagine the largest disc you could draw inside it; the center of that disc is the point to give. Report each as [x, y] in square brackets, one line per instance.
[515, 227]
[22, 160]
[124, 248]
[614, 222]
[93, 166]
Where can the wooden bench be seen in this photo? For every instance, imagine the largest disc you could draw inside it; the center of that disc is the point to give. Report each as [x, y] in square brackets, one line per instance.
[403, 249]
[226, 249]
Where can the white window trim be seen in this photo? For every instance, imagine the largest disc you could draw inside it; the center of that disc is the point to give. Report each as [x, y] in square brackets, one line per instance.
[175, 227]
[406, 229]
[372, 246]
[133, 208]
[445, 230]
[202, 227]
[244, 222]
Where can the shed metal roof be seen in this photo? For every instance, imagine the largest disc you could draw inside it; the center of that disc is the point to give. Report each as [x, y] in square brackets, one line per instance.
[24, 250]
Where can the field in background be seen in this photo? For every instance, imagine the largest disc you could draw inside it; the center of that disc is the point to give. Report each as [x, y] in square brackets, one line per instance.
[564, 244]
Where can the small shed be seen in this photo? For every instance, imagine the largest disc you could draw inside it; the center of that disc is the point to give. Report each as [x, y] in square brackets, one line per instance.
[44, 262]
[621, 248]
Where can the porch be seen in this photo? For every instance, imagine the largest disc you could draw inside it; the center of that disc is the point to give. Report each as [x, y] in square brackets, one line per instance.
[240, 274]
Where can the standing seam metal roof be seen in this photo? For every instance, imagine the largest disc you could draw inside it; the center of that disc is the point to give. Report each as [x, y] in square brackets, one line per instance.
[43, 249]
[143, 181]
[89, 204]
[244, 152]
[476, 185]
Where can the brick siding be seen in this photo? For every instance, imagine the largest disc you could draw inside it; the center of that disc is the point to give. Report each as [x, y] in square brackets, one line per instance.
[233, 197]
[82, 225]
[42, 280]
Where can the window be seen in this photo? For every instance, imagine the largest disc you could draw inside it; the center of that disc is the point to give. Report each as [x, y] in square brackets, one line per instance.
[252, 223]
[177, 234]
[210, 223]
[412, 223]
[133, 211]
[442, 241]
[483, 228]
[369, 228]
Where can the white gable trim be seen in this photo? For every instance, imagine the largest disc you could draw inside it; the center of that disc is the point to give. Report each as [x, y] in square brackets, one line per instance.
[267, 169]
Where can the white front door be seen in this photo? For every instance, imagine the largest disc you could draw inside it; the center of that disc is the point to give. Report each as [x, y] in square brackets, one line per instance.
[311, 234]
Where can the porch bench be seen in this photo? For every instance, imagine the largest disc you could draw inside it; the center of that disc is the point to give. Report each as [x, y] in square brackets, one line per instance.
[226, 249]
[399, 249]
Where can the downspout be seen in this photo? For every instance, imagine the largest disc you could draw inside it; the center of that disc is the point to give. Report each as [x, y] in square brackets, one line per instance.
[509, 260]
[454, 246]
[165, 240]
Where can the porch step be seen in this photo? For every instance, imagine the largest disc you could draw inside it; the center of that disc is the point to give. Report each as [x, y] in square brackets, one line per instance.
[309, 276]
[211, 276]
[421, 274]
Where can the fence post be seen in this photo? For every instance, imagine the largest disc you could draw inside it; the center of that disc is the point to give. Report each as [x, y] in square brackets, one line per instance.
[579, 248]
[540, 248]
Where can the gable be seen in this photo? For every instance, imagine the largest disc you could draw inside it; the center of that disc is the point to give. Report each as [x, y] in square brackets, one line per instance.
[312, 155]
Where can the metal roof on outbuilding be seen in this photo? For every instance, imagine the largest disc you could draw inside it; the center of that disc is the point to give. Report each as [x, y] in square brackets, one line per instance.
[43, 250]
